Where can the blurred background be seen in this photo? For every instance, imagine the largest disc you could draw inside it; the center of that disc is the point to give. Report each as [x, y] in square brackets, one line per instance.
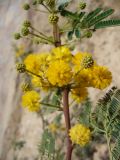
[17, 124]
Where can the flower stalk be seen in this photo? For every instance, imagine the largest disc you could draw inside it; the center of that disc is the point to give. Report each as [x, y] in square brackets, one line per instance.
[65, 95]
[67, 121]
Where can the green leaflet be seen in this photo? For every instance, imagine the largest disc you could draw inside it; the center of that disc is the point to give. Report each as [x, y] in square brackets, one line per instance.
[100, 17]
[92, 14]
[70, 35]
[85, 113]
[66, 13]
[116, 149]
[77, 33]
[108, 113]
[56, 97]
[46, 147]
[108, 23]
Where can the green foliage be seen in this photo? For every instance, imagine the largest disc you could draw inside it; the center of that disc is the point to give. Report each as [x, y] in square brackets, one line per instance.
[100, 17]
[107, 119]
[56, 98]
[77, 33]
[47, 146]
[92, 14]
[108, 23]
[81, 22]
[116, 149]
[85, 113]
[70, 35]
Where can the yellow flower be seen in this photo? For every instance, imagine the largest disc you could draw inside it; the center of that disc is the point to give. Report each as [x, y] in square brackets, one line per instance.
[62, 53]
[36, 62]
[53, 127]
[79, 94]
[30, 100]
[36, 81]
[80, 134]
[83, 78]
[101, 78]
[59, 73]
[40, 83]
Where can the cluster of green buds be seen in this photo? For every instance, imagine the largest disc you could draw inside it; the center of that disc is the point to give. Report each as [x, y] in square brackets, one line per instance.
[53, 18]
[82, 5]
[17, 36]
[26, 87]
[26, 6]
[24, 31]
[21, 68]
[88, 34]
[87, 62]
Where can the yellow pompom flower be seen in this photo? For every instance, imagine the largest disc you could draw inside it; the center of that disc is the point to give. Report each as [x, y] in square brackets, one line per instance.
[79, 94]
[36, 62]
[30, 100]
[62, 53]
[36, 81]
[101, 78]
[40, 83]
[83, 78]
[80, 134]
[32, 63]
[59, 73]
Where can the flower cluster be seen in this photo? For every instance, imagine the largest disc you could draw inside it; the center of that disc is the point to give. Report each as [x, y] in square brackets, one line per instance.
[31, 101]
[80, 134]
[61, 68]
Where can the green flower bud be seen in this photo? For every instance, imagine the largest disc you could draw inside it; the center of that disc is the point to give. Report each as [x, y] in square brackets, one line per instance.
[40, 1]
[50, 3]
[21, 68]
[82, 5]
[17, 36]
[24, 31]
[26, 6]
[26, 23]
[53, 18]
[88, 34]
[34, 2]
[26, 87]
[87, 62]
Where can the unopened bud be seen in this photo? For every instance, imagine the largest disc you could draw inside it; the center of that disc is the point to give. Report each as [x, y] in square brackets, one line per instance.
[26, 6]
[17, 36]
[87, 62]
[21, 68]
[53, 18]
[24, 31]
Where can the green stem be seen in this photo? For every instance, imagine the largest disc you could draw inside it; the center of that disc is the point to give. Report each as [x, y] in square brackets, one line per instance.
[39, 10]
[109, 147]
[38, 32]
[51, 105]
[46, 39]
[46, 7]
[34, 74]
